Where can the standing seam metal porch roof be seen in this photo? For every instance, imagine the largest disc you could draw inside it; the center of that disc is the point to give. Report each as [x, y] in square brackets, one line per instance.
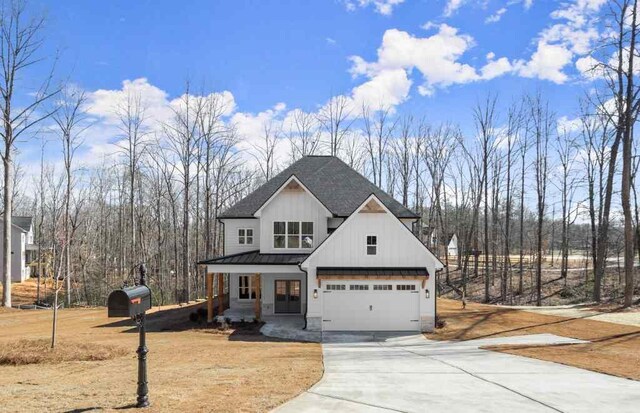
[255, 258]
[338, 186]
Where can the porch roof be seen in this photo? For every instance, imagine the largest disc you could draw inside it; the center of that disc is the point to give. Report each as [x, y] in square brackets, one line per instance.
[255, 258]
[372, 272]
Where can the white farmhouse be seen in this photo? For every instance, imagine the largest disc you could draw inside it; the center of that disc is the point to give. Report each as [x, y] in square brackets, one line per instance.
[21, 247]
[320, 240]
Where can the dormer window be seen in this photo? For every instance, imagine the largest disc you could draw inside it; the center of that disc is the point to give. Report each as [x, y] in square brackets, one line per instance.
[372, 245]
[293, 234]
[245, 236]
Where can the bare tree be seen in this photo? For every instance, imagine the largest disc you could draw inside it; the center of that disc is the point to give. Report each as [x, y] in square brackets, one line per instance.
[69, 118]
[335, 119]
[133, 126]
[20, 43]
[304, 134]
[265, 151]
[484, 115]
[183, 141]
[542, 127]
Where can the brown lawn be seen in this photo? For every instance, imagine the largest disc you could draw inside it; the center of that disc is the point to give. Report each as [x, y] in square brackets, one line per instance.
[613, 348]
[190, 369]
[26, 292]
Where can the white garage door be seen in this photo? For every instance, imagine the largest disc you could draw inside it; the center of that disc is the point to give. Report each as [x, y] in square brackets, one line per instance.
[370, 306]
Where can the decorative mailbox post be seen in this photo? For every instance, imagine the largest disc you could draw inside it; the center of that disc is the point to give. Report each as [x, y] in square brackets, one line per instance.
[133, 302]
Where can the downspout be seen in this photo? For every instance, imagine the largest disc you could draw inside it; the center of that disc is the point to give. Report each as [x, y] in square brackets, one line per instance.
[306, 294]
[435, 302]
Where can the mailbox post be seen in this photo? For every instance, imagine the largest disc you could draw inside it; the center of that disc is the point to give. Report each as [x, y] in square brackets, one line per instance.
[143, 388]
[133, 302]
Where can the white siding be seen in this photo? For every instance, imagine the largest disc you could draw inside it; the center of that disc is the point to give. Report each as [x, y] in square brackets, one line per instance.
[397, 247]
[18, 270]
[292, 206]
[231, 226]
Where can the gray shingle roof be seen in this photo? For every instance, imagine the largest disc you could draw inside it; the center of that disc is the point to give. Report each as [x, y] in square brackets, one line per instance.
[23, 222]
[254, 257]
[340, 188]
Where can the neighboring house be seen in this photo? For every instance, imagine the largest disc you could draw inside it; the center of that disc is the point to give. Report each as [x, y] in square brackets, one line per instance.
[452, 248]
[21, 247]
[320, 240]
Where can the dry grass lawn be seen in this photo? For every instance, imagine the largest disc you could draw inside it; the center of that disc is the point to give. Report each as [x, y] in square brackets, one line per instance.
[613, 348]
[39, 351]
[190, 369]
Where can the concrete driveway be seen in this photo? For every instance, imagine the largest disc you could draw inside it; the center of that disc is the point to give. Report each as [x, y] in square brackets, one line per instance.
[407, 373]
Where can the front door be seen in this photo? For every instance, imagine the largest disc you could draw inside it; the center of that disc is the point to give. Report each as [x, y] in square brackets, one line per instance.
[287, 296]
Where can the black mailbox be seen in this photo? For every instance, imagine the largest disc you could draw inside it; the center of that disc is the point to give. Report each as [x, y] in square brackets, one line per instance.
[129, 302]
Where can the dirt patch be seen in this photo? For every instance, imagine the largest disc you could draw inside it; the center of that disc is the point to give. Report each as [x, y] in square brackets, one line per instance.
[613, 348]
[25, 351]
[191, 367]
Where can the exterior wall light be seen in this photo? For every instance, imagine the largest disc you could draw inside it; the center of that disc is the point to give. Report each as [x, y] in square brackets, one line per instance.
[315, 293]
[427, 293]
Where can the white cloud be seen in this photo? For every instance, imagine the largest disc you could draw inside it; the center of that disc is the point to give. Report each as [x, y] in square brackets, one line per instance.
[528, 4]
[495, 68]
[546, 63]
[589, 67]
[384, 7]
[452, 6]
[559, 44]
[436, 57]
[103, 106]
[386, 89]
[494, 18]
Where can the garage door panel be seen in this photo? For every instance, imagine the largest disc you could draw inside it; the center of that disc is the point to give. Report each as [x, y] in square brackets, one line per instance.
[371, 310]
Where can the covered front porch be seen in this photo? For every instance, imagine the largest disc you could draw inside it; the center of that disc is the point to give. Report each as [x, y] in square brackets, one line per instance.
[259, 286]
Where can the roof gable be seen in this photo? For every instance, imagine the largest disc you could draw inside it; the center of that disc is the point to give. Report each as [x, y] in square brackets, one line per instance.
[336, 185]
[373, 204]
[291, 184]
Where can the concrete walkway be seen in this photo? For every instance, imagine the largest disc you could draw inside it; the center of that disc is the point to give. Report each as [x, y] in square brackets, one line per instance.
[407, 373]
[289, 327]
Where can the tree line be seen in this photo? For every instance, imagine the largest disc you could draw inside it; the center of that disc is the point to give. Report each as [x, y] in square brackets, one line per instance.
[521, 185]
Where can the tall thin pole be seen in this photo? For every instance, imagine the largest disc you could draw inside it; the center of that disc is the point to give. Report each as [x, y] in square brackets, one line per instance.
[143, 388]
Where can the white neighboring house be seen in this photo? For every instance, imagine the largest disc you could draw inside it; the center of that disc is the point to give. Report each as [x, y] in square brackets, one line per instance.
[452, 248]
[22, 247]
[322, 241]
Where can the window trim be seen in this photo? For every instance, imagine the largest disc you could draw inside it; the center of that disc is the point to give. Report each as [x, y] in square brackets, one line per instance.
[286, 235]
[245, 236]
[367, 245]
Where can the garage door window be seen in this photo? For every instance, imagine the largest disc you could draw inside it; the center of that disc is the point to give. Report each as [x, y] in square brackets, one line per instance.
[358, 287]
[382, 287]
[336, 287]
[406, 287]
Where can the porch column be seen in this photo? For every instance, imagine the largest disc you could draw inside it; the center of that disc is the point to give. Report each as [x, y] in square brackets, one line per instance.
[220, 294]
[258, 301]
[209, 297]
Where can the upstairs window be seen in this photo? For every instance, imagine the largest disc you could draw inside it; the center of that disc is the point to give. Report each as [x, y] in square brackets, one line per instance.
[372, 245]
[293, 234]
[245, 236]
[307, 234]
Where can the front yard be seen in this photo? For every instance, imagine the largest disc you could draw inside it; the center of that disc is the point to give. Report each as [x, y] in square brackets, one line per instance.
[190, 369]
[613, 348]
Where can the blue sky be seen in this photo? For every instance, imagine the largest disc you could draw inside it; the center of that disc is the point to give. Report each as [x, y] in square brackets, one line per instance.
[432, 58]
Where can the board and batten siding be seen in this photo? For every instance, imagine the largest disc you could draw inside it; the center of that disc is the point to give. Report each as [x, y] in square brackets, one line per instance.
[231, 226]
[292, 205]
[397, 247]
